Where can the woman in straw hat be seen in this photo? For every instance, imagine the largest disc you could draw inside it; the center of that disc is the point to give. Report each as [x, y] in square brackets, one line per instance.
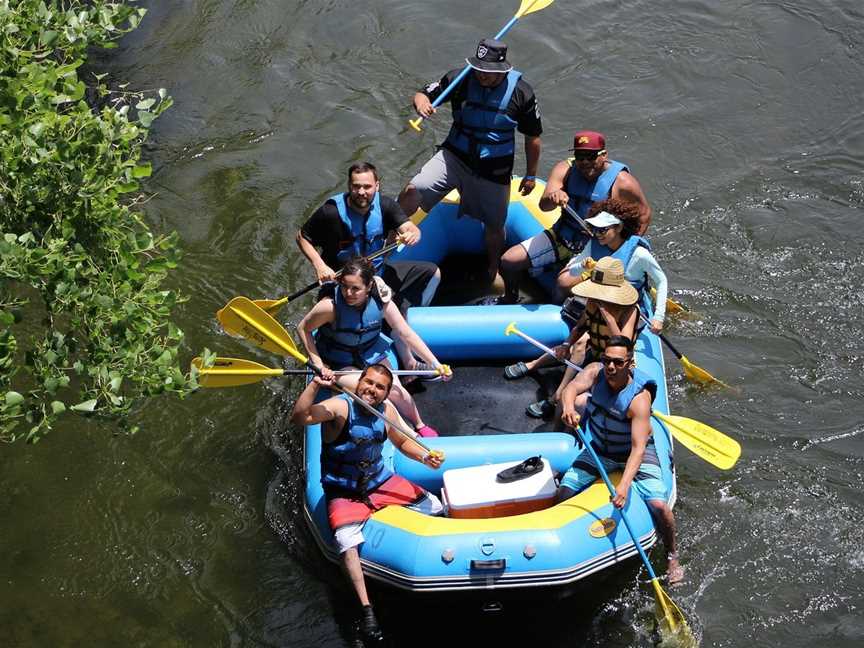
[615, 224]
[610, 310]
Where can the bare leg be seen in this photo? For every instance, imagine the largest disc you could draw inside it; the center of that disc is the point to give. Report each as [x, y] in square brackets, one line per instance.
[494, 238]
[351, 563]
[665, 520]
[514, 262]
[409, 199]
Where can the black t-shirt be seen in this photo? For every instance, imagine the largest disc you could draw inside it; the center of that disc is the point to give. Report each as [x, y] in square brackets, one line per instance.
[523, 109]
[325, 230]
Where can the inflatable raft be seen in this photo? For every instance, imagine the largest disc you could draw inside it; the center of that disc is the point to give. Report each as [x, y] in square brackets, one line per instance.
[555, 546]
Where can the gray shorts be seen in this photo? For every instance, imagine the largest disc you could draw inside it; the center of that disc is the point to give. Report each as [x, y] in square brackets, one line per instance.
[481, 199]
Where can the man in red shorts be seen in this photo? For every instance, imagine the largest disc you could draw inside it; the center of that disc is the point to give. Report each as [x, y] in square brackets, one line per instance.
[356, 481]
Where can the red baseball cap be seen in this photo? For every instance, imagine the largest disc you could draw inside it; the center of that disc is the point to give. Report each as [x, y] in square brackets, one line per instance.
[588, 141]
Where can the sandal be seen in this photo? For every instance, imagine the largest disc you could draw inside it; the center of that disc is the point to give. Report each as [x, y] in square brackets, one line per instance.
[540, 409]
[530, 466]
[427, 431]
[516, 371]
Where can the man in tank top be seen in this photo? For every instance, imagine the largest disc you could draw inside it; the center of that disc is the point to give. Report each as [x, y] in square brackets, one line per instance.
[356, 480]
[577, 182]
[612, 400]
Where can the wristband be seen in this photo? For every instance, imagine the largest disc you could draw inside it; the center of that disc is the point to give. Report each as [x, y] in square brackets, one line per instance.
[529, 177]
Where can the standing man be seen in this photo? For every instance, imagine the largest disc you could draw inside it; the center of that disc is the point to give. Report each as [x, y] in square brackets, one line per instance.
[616, 399]
[358, 223]
[355, 478]
[579, 182]
[489, 105]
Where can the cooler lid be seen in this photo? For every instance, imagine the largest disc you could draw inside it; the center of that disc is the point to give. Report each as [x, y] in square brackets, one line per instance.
[477, 486]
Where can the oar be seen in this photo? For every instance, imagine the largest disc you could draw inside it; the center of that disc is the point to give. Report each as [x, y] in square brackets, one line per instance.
[272, 306]
[691, 371]
[702, 440]
[527, 6]
[671, 305]
[232, 372]
[673, 625]
[263, 331]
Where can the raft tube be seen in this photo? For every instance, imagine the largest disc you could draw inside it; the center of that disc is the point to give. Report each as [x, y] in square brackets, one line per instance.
[553, 547]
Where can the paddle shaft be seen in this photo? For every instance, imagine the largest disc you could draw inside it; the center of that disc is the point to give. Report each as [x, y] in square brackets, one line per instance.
[545, 348]
[579, 219]
[665, 340]
[266, 372]
[440, 98]
[315, 284]
[602, 470]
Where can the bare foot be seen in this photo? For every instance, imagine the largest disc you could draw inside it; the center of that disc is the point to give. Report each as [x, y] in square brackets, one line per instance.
[674, 571]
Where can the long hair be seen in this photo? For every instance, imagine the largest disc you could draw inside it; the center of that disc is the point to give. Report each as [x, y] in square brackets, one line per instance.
[360, 266]
[628, 213]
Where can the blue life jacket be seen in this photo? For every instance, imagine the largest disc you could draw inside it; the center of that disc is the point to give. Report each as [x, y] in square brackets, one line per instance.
[353, 333]
[367, 232]
[606, 413]
[582, 194]
[481, 127]
[625, 253]
[353, 461]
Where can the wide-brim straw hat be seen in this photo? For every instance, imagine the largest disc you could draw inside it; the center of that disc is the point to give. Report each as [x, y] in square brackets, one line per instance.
[608, 283]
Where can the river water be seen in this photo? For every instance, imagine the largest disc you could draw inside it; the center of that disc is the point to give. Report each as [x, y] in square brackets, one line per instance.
[742, 121]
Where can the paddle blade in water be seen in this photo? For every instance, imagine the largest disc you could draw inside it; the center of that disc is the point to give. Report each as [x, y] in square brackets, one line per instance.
[699, 375]
[530, 6]
[674, 631]
[703, 440]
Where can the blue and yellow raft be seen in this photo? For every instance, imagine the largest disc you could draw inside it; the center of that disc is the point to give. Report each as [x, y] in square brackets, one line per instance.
[549, 548]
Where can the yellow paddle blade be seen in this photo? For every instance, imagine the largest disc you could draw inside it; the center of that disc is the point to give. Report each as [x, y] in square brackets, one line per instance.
[674, 630]
[232, 372]
[271, 306]
[530, 6]
[699, 375]
[711, 445]
[672, 307]
[259, 328]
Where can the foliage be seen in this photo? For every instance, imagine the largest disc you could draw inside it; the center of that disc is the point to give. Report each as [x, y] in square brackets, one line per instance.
[84, 319]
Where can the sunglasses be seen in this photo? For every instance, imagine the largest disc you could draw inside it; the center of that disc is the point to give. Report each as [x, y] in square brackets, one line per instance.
[618, 363]
[587, 155]
[600, 231]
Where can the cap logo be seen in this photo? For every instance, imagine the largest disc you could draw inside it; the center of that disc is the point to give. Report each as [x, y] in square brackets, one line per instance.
[482, 51]
[583, 140]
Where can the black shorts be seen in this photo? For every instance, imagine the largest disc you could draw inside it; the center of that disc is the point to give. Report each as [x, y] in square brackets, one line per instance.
[408, 280]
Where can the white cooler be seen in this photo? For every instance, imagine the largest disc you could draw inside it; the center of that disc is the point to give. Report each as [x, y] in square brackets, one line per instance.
[475, 493]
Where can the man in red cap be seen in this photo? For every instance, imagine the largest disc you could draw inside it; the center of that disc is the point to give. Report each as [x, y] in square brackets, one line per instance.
[587, 177]
[489, 106]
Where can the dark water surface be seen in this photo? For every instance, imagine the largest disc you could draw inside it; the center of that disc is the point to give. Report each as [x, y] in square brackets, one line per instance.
[743, 122]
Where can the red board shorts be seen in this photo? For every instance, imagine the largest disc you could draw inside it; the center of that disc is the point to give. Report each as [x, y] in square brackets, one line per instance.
[347, 515]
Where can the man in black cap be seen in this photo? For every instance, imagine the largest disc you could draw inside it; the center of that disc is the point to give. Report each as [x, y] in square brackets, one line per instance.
[489, 105]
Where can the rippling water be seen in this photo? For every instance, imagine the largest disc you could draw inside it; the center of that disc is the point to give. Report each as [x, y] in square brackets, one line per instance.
[743, 122]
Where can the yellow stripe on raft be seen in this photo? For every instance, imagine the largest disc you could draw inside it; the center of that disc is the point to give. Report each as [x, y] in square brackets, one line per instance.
[560, 515]
[531, 203]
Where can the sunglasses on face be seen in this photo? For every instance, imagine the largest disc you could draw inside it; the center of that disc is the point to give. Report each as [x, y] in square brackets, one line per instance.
[600, 231]
[618, 363]
[586, 155]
